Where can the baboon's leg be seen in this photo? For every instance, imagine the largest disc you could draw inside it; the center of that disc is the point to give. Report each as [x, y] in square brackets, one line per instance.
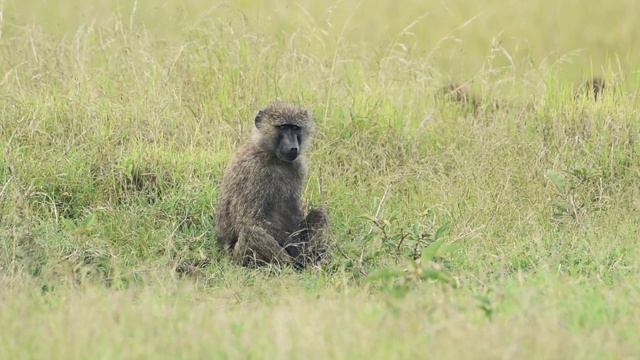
[256, 246]
[319, 234]
[308, 244]
[317, 218]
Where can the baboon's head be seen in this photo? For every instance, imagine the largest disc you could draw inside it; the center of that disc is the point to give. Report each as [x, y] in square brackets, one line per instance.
[592, 87]
[597, 85]
[457, 93]
[284, 130]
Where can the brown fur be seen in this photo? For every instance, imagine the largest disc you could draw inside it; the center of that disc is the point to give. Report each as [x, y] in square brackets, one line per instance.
[460, 93]
[260, 217]
[592, 87]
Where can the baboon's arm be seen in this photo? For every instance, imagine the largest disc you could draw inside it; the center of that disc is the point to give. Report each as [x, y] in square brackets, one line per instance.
[260, 242]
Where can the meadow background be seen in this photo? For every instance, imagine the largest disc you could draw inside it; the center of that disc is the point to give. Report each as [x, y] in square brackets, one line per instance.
[503, 231]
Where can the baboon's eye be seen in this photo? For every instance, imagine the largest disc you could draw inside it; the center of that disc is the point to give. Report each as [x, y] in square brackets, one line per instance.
[282, 127]
[295, 127]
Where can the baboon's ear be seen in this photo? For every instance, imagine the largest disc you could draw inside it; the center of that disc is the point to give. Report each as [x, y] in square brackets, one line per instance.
[258, 120]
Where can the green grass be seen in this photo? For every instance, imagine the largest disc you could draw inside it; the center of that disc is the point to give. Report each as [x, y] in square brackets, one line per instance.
[460, 233]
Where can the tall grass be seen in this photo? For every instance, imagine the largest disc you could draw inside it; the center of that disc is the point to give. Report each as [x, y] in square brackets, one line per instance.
[507, 230]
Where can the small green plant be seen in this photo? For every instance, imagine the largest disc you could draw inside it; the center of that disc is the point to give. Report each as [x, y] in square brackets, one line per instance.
[579, 191]
[84, 259]
[419, 251]
[409, 241]
[80, 233]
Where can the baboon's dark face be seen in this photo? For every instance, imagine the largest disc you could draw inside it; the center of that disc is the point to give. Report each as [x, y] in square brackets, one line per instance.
[288, 140]
[284, 130]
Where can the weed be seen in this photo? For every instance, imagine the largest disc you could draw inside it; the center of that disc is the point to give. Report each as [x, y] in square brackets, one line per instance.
[580, 192]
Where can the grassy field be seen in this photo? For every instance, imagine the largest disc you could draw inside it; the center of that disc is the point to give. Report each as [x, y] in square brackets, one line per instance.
[504, 230]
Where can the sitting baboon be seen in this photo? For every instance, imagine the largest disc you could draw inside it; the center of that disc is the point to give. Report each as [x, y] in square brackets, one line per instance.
[260, 218]
[460, 94]
[592, 87]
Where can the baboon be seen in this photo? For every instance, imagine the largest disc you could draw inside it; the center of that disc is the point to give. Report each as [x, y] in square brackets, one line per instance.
[592, 87]
[460, 94]
[260, 218]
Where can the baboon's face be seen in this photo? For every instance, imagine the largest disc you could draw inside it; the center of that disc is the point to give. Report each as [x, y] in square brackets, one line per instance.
[285, 130]
[288, 140]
